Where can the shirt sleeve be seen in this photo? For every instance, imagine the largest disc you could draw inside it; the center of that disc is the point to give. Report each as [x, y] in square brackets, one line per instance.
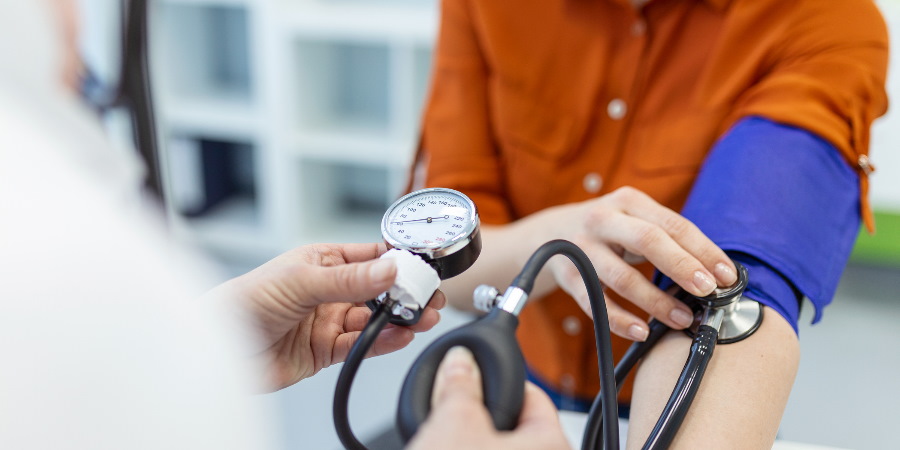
[826, 74]
[457, 148]
[782, 201]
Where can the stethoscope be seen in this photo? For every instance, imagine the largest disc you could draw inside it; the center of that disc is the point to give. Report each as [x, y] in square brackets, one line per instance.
[441, 227]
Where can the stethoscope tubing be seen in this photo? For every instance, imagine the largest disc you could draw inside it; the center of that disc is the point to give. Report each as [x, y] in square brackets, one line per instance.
[682, 397]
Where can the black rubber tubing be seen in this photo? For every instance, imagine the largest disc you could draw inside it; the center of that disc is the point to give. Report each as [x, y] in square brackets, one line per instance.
[593, 428]
[685, 389]
[377, 322]
[525, 281]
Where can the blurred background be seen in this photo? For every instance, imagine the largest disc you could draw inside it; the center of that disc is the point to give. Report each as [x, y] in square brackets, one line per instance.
[284, 122]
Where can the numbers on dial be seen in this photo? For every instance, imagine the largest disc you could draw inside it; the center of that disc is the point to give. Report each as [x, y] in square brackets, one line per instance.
[431, 219]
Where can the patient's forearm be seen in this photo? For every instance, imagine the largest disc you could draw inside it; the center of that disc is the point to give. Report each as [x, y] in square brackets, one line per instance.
[741, 398]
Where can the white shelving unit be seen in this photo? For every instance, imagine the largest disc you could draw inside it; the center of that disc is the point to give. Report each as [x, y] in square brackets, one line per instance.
[318, 101]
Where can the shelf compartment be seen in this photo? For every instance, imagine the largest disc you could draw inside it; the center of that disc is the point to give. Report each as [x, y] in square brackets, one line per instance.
[228, 118]
[364, 20]
[202, 51]
[358, 148]
[343, 202]
[212, 179]
[342, 87]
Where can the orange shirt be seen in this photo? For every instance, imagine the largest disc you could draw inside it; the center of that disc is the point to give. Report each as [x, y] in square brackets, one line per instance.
[536, 103]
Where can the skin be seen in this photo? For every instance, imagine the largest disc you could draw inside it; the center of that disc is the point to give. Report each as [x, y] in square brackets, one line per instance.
[65, 13]
[742, 397]
[306, 307]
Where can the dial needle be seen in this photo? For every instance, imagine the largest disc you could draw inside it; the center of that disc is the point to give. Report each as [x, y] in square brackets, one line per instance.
[426, 220]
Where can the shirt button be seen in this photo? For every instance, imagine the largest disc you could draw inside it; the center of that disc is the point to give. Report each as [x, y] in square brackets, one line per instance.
[616, 109]
[865, 164]
[567, 383]
[592, 183]
[571, 325]
[638, 28]
[567, 389]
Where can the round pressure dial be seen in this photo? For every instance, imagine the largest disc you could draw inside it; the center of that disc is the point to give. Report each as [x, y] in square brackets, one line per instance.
[438, 224]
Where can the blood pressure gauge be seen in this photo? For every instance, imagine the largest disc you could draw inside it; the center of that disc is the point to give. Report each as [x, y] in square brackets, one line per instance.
[438, 224]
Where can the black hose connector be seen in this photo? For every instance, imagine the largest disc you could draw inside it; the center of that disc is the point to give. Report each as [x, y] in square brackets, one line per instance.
[685, 390]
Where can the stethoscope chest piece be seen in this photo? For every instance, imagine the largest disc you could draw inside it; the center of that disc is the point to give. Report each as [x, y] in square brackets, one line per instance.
[741, 316]
[740, 320]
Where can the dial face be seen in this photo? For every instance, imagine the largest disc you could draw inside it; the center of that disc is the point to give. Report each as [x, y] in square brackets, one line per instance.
[430, 219]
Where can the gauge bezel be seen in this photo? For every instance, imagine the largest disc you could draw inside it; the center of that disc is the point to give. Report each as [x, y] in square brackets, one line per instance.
[440, 250]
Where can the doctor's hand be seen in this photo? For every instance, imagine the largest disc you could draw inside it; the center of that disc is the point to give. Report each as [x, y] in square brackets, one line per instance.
[626, 227]
[459, 419]
[305, 306]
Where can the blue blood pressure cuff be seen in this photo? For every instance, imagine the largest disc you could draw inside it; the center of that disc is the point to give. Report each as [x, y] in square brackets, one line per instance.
[784, 203]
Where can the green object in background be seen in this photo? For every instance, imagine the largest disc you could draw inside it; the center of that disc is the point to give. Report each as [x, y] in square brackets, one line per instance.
[882, 248]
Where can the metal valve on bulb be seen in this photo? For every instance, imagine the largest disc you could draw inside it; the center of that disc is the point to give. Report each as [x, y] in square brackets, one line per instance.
[485, 298]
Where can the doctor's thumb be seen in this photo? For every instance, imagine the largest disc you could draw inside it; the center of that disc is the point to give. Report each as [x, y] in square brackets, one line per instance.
[458, 379]
[355, 282]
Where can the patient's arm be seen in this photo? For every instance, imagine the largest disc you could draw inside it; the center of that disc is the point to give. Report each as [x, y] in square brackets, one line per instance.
[741, 399]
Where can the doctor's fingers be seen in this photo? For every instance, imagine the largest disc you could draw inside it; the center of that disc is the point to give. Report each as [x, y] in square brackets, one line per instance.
[351, 253]
[670, 254]
[353, 282]
[631, 284]
[715, 263]
[621, 322]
